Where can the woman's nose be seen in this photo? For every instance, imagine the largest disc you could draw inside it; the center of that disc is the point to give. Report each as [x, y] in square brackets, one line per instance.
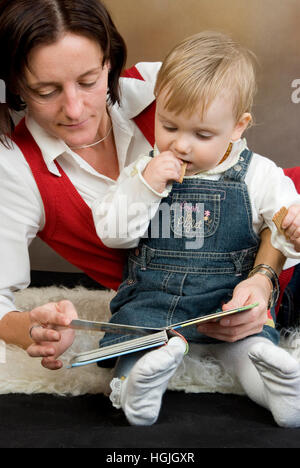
[72, 104]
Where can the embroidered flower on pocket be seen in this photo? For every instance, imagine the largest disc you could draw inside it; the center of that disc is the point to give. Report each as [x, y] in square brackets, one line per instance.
[206, 215]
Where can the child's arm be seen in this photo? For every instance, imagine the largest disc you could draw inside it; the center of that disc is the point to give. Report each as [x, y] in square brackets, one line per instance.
[123, 214]
[291, 224]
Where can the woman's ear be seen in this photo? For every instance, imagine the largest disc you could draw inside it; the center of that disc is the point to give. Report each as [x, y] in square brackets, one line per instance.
[107, 65]
[241, 126]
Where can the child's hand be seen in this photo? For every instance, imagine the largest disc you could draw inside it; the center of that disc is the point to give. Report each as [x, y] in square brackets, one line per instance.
[291, 224]
[162, 169]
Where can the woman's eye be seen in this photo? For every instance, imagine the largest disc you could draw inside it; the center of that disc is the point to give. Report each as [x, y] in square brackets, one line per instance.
[88, 85]
[47, 95]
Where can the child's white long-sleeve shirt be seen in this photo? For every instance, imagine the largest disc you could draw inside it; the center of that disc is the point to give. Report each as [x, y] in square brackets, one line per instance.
[123, 215]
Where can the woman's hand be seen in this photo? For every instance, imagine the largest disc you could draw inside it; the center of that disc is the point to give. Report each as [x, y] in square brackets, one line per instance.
[291, 224]
[239, 326]
[48, 331]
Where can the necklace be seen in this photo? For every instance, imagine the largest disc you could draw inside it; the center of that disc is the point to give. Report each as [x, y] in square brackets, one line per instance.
[226, 154]
[93, 144]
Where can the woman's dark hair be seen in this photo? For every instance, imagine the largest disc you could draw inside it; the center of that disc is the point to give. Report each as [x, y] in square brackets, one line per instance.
[25, 24]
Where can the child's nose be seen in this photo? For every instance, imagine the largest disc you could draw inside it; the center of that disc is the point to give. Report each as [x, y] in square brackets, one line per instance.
[182, 146]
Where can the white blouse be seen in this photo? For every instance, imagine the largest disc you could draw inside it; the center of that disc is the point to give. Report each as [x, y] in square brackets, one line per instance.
[21, 208]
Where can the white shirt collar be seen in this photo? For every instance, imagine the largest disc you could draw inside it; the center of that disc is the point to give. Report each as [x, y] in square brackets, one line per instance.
[136, 95]
[50, 146]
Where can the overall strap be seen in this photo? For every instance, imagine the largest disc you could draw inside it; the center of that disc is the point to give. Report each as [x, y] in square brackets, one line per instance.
[238, 172]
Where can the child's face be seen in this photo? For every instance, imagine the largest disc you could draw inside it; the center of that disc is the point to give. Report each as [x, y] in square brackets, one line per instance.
[201, 143]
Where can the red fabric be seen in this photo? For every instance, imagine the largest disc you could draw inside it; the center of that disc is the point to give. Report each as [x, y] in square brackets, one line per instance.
[69, 227]
[132, 73]
[145, 120]
[284, 280]
[286, 275]
[294, 174]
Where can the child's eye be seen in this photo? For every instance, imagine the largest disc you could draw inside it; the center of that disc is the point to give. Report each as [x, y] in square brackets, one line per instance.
[203, 136]
[170, 129]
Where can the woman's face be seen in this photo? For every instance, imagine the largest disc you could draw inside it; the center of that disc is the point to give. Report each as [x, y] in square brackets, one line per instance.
[66, 89]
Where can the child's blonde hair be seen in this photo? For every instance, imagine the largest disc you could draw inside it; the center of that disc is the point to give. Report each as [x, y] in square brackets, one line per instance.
[198, 69]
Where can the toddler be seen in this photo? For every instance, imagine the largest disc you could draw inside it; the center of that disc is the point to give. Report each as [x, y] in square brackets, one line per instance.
[193, 242]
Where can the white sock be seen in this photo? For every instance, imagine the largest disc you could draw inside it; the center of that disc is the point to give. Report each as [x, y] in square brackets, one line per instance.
[234, 357]
[269, 375]
[280, 374]
[141, 393]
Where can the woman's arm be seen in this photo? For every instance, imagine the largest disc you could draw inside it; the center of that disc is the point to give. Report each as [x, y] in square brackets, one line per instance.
[255, 289]
[14, 329]
[268, 255]
[21, 214]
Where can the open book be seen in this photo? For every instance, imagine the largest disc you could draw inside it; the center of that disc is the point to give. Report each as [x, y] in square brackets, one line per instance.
[147, 337]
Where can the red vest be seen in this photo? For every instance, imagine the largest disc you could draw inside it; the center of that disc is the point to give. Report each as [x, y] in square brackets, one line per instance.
[69, 227]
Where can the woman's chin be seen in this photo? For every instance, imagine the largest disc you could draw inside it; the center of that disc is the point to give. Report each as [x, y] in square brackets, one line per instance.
[77, 141]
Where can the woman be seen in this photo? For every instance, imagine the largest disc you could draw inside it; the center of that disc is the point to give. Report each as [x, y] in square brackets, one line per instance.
[62, 62]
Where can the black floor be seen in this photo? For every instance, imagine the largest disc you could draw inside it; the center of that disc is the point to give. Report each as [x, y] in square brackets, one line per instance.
[187, 421]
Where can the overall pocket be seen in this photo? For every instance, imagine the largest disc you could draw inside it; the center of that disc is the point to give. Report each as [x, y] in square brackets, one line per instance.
[196, 214]
[129, 276]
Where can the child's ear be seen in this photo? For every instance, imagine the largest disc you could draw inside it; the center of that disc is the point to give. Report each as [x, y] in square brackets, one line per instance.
[241, 126]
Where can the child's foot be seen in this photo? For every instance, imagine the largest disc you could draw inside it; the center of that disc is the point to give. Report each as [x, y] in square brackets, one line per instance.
[280, 373]
[142, 391]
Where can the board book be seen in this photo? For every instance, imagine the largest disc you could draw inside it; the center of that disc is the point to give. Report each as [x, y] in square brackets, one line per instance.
[145, 337]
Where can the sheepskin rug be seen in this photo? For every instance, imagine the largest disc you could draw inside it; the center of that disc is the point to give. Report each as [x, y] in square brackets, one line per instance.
[22, 374]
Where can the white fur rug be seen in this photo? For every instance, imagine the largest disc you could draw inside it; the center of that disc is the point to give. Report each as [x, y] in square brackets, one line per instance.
[22, 374]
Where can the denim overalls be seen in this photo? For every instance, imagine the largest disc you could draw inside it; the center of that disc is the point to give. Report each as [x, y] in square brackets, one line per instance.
[171, 278]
